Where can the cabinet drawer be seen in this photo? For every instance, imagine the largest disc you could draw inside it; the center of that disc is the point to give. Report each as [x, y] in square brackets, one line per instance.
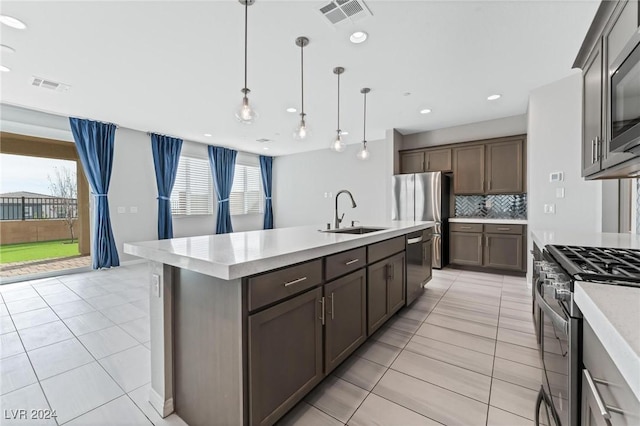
[384, 249]
[342, 263]
[465, 227]
[601, 367]
[503, 229]
[273, 286]
[427, 234]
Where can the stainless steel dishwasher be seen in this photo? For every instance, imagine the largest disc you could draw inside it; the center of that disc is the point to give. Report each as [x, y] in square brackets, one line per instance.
[419, 248]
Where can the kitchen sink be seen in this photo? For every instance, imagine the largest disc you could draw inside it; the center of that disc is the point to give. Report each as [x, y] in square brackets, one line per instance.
[356, 230]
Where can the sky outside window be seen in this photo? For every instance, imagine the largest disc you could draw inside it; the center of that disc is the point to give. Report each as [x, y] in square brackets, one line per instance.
[24, 173]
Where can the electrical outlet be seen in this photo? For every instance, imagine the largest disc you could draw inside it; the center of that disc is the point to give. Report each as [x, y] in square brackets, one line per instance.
[559, 192]
[155, 285]
[133, 209]
[556, 177]
[550, 208]
[122, 210]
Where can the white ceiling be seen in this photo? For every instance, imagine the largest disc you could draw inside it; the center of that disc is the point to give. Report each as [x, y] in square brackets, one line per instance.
[175, 67]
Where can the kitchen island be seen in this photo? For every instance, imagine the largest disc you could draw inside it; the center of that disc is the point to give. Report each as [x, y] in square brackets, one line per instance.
[244, 325]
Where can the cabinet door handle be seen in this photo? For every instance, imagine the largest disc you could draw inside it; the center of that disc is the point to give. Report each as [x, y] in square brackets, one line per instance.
[296, 281]
[489, 185]
[486, 241]
[352, 261]
[598, 146]
[428, 164]
[504, 229]
[390, 271]
[593, 151]
[604, 408]
[321, 310]
[332, 310]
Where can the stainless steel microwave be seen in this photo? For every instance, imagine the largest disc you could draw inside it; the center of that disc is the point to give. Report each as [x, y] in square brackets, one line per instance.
[625, 103]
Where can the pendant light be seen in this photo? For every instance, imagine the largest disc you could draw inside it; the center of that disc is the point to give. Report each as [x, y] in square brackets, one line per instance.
[363, 154]
[302, 130]
[338, 145]
[245, 114]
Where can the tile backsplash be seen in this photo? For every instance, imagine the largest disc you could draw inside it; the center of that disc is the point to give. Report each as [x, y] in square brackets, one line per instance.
[492, 206]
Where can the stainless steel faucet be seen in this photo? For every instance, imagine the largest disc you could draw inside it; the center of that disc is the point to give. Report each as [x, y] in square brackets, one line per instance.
[353, 206]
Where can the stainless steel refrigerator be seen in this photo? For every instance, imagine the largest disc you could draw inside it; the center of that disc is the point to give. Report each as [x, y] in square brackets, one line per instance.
[424, 196]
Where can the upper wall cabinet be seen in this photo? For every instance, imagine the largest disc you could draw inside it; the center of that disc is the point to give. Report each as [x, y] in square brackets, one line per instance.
[468, 170]
[428, 160]
[611, 38]
[495, 167]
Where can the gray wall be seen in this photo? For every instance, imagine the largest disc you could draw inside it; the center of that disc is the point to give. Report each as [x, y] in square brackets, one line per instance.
[554, 145]
[300, 182]
[514, 125]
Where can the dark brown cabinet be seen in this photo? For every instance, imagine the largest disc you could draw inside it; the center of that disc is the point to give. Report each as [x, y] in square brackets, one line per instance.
[495, 246]
[505, 167]
[438, 160]
[468, 169]
[284, 355]
[385, 290]
[412, 162]
[465, 248]
[346, 317]
[503, 251]
[592, 112]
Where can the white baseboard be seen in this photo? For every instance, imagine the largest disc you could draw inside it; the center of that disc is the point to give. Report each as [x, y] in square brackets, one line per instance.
[164, 408]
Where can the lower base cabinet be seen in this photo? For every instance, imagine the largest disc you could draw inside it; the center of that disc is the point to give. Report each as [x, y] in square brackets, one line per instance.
[488, 246]
[503, 251]
[385, 290]
[285, 356]
[346, 317]
[465, 248]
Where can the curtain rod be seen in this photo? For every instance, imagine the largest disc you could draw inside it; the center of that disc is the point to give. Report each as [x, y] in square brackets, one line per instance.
[97, 121]
[162, 134]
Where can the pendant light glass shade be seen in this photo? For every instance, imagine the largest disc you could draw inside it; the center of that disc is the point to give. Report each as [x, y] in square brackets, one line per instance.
[338, 144]
[302, 130]
[363, 154]
[245, 113]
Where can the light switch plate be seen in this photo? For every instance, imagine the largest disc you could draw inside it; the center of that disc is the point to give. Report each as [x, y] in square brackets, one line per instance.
[550, 209]
[133, 209]
[556, 177]
[122, 210]
[155, 285]
[559, 192]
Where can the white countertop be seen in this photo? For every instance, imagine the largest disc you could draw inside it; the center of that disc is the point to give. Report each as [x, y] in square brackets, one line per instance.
[240, 254]
[614, 315]
[485, 220]
[591, 239]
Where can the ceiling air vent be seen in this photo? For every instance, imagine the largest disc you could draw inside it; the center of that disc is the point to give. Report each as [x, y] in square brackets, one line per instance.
[340, 12]
[263, 140]
[48, 84]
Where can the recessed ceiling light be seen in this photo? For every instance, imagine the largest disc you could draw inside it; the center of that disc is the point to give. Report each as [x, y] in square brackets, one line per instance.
[7, 49]
[344, 133]
[493, 97]
[266, 148]
[4, 69]
[358, 37]
[425, 111]
[291, 110]
[12, 22]
[208, 135]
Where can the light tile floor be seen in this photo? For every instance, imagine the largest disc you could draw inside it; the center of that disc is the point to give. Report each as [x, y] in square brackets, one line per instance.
[463, 353]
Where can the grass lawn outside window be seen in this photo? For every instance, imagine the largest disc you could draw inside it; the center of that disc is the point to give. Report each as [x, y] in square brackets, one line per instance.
[23, 252]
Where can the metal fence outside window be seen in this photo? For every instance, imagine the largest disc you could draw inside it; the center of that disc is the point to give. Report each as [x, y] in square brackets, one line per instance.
[41, 208]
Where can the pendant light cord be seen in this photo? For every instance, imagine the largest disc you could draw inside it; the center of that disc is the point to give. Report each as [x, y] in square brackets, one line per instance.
[246, 19]
[302, 75]
[339, 103]
[364, 127]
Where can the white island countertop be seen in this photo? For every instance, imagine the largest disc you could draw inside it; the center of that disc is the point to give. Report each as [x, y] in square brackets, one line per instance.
[487, 220]
[586, 239]
[240, 254]
[614, 315]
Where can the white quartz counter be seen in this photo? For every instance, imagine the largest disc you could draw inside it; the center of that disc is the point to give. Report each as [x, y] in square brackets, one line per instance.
[239, 254]
[590, 239]
[614, 315]
[485, 220]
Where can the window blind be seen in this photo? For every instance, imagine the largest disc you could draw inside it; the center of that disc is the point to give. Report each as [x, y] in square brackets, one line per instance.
[246, 194]
[193, 190]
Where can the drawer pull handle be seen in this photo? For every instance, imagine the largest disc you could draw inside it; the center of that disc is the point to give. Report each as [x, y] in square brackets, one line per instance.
[504, 229]
[604, 409]
[465, 227]
[414, 240]
[296, 281]
[352, 261]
